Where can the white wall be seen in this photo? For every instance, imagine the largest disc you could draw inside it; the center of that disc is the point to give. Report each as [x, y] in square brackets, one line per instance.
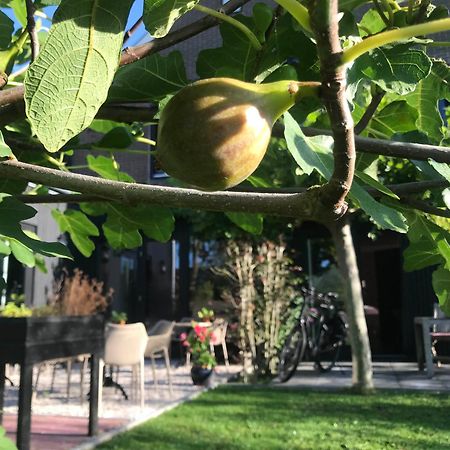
[38, 285]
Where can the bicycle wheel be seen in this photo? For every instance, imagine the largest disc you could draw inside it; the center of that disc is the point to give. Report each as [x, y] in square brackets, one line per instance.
[291, 354]
[329, 347]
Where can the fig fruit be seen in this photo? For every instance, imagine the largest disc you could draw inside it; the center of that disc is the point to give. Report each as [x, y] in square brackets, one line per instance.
[214, 133]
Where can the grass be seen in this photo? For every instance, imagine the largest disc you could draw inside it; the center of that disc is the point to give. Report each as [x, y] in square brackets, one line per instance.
[235, 418]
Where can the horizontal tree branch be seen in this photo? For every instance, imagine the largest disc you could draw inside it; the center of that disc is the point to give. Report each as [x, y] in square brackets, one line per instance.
[407, 150]
[132, 54]
[425, 207]
[416, 187]
[119, 112]
[413, 187]
[300, 205]
[405, 189]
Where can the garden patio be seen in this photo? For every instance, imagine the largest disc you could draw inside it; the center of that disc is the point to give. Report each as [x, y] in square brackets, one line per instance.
[403, 391]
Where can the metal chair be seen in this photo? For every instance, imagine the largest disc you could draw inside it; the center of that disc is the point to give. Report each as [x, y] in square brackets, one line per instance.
[439, 333]
[125, 346]
[158, 345]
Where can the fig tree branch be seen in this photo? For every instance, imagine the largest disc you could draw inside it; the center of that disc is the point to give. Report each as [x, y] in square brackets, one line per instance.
[413, 187]
[300, 205]
[369, 112]
[425, 207]
[118, 112]
[405, 189]
[132, 54]
[31, 28]
[407, 150]
[324, 23]
[129, 113]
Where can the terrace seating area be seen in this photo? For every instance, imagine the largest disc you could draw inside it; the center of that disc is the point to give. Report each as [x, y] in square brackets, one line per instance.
[60, 423]
[136, 380]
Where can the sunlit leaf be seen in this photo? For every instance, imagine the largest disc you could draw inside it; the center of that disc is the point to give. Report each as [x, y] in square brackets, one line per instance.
[68, 82]
[159, 16]
[315, 154]
[79, 227]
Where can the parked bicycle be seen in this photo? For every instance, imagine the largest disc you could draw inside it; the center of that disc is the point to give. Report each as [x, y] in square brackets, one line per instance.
[318, 335]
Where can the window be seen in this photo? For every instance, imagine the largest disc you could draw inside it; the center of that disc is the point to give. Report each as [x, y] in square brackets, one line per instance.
[237, 10]
[155, 172]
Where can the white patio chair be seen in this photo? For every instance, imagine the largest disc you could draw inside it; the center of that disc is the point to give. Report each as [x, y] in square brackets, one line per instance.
[218, 335]
[125, 346]
[158, 345]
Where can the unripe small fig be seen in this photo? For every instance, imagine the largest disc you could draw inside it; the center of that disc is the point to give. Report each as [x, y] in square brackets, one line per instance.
[214, 133]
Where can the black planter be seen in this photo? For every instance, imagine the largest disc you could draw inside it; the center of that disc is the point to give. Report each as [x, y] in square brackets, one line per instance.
[36, 339]
[31, 340]
[200, 375]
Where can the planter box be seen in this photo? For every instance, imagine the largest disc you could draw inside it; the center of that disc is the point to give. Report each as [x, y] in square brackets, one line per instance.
[30, 340]
[36, 339]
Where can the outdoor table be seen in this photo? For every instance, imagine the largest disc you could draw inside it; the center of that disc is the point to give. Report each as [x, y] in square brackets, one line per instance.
[422, 329]
[31, 340]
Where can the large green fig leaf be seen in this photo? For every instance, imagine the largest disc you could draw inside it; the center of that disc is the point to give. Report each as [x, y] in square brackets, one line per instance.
[252, 223]
[425, 100]
[419, 255]
[107, 167]
[315, 154]
[160, 15]
[429, 243]
[396, 117]
[22, 244]
[123, 223]
[397, 69]
[237, 58]
[151, 78]
[68, 82]
[79, 227]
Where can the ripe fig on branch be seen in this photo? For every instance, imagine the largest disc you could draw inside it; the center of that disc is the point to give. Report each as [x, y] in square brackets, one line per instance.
[214, 133]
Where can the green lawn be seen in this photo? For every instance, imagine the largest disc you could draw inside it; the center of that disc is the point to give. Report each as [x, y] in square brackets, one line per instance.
[282, 419]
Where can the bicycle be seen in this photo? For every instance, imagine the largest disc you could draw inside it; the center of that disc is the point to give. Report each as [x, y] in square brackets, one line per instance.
[319, 334]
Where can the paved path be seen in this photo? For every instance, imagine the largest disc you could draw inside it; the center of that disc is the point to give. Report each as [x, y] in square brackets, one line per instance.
[59, 423]
[387, 375]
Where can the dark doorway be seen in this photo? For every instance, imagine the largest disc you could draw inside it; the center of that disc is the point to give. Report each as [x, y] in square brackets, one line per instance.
[389, 275]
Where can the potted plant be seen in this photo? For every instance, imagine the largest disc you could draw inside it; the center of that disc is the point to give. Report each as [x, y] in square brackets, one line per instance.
[119, 317]
[197, 343]
[12, 309]
[206, 315]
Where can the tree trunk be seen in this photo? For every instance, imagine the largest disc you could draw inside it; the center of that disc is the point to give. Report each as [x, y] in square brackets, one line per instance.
[359, 338]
